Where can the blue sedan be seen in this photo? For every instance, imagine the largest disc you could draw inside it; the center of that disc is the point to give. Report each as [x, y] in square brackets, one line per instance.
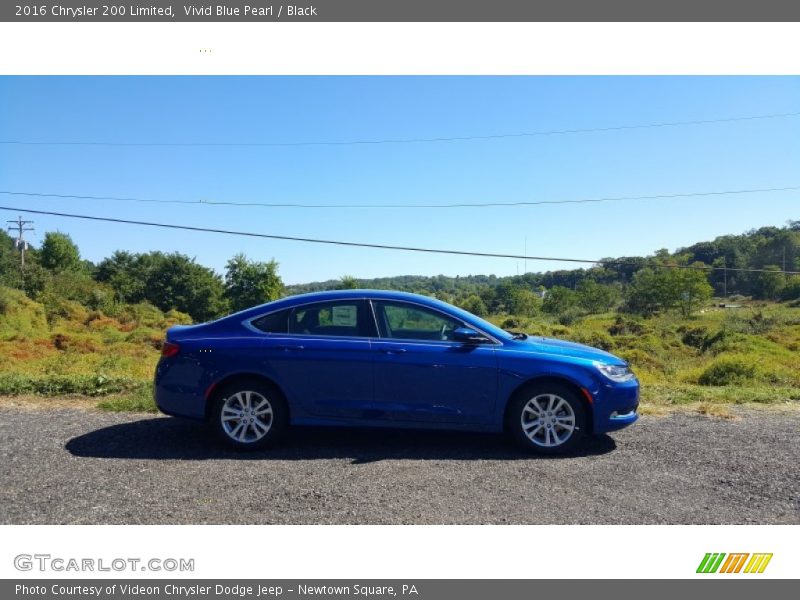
[388, 359]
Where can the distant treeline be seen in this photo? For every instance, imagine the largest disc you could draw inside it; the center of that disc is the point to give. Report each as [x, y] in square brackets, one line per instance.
[55, 272]
[771, 248]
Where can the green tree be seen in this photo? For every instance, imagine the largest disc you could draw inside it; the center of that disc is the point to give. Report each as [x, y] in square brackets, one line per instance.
[248, 283]
[167, 281]
[769, 284]
[475, 305]
[125, 273]
[347, 282]
[691, 288]
[59, 253]
[791, 291]
[524, 302]
[595, 298]
[648, 292]
[658, 289]
[559, 299]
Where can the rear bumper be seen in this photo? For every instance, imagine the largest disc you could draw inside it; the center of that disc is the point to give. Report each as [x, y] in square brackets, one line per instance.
[175, 397]
[615, 406]
[179, 405]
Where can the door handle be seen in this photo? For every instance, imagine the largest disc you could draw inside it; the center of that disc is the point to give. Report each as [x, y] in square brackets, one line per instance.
[290, 348]
[395, 351]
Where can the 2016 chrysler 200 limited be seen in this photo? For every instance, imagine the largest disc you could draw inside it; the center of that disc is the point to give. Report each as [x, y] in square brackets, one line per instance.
[380, 358]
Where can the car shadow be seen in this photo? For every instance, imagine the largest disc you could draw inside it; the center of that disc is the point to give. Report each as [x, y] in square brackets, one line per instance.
[178, 439]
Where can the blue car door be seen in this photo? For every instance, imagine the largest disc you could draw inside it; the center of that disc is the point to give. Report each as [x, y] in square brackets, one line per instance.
[421, 374]
[324, 361]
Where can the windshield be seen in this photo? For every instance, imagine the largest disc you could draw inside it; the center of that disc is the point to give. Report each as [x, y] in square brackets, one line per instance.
[481, 323]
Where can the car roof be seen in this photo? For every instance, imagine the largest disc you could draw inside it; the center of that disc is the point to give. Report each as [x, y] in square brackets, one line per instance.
[351, 294]
[327, 295]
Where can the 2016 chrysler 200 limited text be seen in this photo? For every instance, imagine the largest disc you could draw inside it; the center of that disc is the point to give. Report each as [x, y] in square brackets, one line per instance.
[388, 359]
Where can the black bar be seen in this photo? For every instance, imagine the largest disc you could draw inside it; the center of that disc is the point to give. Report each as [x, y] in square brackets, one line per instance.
[405, 10]
[713, 586]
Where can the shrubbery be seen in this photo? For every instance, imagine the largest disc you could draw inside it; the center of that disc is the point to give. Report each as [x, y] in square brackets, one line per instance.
[729, 370]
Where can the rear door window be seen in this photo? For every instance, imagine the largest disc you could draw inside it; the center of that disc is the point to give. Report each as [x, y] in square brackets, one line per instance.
[343, 318]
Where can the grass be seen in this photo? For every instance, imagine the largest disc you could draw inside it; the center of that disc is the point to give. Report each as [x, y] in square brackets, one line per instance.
[140, 400]
[707, 363]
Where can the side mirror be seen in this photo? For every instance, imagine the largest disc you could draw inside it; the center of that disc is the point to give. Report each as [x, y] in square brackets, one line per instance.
[468, 336]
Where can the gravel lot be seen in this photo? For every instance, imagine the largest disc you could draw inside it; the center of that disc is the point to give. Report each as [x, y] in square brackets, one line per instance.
[77, 465]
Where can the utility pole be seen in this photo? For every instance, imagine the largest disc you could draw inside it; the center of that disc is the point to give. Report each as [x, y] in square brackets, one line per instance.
[725, 275]
[21, 227]
[785, 274]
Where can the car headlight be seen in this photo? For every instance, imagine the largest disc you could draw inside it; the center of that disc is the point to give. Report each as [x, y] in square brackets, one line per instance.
[616, 372]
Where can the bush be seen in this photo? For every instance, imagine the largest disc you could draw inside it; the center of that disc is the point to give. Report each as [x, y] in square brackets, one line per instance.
[475, 305]
[598, 339]
[641, 359]
[791, 290]
[570, 316]
[176, 317]
[68, 310]
[695, 337]
[20, 317]
[146, 335]
[142, 314]
[627, 326]
[728, 371]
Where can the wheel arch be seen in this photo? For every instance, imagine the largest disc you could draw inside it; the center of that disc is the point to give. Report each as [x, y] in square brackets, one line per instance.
[214, 388]
[553, 379]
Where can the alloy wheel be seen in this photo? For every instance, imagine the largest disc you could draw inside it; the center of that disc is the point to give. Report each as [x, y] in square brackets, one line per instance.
[246, 416]
[548, 420]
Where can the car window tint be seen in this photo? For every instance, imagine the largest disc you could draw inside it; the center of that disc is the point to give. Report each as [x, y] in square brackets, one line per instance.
[409, 322]
[277, 322]
[336, 319]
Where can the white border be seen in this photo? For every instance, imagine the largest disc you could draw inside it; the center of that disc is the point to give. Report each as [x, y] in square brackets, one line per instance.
[430, 552]
[400, 48]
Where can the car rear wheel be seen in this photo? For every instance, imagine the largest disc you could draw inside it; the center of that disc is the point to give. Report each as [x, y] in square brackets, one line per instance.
[547, 419]
[249, 414]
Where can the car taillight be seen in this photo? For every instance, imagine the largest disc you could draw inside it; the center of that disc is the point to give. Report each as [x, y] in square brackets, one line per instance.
[169, 349]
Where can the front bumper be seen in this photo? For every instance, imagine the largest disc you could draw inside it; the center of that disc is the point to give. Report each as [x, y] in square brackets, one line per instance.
[615, 406]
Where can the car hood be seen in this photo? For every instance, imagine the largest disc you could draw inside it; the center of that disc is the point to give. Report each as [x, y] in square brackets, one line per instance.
[564, 348]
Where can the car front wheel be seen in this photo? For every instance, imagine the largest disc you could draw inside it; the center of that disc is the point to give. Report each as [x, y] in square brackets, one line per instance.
[249, 415]
[547, 419]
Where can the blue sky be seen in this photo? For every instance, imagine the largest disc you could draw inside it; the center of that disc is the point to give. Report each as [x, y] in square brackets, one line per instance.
[668, 160]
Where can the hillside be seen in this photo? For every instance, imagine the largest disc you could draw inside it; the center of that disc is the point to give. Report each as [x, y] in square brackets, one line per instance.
[73, 350]
[717, 357]
[71, 327]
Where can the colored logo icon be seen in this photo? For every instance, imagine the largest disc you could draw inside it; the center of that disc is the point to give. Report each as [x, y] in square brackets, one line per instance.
[719, 562]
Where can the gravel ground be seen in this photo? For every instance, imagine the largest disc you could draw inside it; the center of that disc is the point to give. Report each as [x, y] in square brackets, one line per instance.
[77, 465]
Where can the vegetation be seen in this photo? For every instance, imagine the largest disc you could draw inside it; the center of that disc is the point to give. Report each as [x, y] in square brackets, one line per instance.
[249, 283]
[68, 326]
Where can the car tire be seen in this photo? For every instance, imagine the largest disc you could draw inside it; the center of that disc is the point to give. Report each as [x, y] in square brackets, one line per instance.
[547, 418]
[249, 414]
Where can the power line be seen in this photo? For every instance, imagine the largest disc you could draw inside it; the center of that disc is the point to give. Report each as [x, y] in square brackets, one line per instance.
[419, 140]
[381, 246]
[365, 205]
